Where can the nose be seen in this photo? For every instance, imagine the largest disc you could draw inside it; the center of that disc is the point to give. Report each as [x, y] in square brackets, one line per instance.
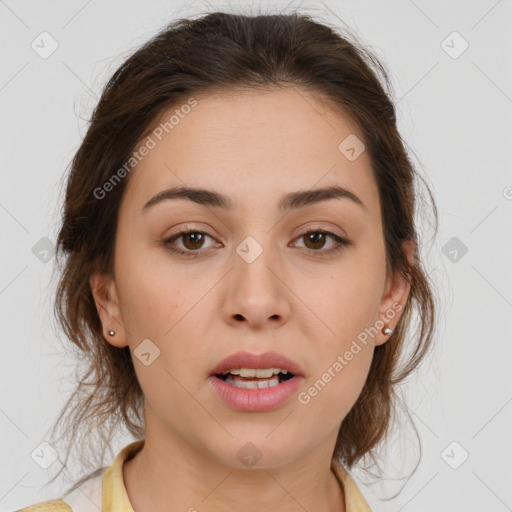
[256, 292]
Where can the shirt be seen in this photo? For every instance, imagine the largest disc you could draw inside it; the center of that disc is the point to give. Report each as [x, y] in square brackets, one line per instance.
[107, 492]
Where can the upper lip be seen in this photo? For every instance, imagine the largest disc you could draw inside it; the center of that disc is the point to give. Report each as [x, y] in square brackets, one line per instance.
[248, 360]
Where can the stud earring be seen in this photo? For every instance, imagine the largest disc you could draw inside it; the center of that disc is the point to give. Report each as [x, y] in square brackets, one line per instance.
[111, 333]
[387, 331]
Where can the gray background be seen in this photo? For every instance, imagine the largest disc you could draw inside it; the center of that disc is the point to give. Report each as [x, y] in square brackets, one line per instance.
[454, 112]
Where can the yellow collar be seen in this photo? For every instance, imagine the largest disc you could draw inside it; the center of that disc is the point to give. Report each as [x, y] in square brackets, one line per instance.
[354, 500]
[115, 497]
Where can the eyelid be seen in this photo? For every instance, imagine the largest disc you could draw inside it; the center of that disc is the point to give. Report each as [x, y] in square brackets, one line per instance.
[320, 228]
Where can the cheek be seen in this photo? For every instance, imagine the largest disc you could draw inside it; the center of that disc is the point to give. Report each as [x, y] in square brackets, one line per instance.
[345, 310]
[346, 302]
[151, 299]
[332, 392]
[166, 307]
[155, 308]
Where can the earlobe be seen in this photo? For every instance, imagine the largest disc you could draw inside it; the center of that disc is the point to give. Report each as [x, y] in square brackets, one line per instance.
[395, 297]
[105, 295]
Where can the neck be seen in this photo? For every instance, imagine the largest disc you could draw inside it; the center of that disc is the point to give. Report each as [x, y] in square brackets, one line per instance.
[174, 476]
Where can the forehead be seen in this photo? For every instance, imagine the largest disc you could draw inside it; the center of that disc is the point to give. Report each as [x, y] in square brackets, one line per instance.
[252, 144]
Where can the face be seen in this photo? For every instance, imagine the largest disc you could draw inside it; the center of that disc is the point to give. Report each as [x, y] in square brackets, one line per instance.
[304, 279]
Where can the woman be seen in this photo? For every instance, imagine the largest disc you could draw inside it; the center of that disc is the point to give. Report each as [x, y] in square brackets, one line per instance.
[241, 266]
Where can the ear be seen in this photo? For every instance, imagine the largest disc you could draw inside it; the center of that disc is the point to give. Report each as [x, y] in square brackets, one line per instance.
[395, 296]
[105, 295]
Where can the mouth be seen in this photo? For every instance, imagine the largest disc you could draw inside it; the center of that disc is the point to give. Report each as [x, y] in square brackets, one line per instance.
[255, 378]
[256, 382]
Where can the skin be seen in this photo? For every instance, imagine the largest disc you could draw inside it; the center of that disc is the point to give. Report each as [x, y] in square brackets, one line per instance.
[254, 147]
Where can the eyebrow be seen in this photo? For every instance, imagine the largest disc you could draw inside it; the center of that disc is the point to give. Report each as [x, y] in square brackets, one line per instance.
[291, 201]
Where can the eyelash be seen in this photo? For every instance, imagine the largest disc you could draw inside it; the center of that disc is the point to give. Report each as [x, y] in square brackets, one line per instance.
[341, 242]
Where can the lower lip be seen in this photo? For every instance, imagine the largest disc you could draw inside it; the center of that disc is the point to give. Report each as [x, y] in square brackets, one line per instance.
[256, 400]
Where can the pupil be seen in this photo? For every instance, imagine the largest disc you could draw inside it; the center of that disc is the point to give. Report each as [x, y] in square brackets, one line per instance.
[192, 235]
[313, 237]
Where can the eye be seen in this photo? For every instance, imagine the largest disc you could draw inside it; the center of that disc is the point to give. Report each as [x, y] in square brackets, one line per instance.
[193, 240]
[316, 239]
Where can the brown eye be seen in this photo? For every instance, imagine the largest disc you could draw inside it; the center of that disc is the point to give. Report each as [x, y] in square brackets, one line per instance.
[193, 240]
[316, 240]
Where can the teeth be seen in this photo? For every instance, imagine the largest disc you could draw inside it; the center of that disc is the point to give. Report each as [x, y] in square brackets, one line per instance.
[261, 373]
[247, 372]
[253, 384]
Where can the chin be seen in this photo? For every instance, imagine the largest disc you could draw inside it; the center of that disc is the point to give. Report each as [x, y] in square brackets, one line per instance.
[255, 450]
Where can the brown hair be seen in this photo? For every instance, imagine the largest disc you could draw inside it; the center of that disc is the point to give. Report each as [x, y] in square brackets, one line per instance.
[221, 51]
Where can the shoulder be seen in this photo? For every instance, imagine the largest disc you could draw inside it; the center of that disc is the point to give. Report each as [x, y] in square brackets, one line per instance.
[48, 506]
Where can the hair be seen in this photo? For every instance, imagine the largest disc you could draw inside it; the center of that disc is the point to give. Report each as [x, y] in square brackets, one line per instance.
[225, 52]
